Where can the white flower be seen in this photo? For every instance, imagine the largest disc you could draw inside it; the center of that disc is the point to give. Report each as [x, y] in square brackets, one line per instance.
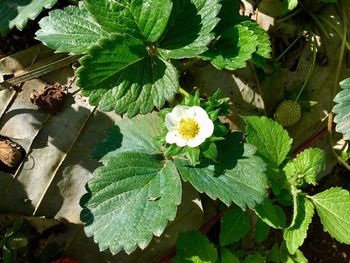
[188, 126]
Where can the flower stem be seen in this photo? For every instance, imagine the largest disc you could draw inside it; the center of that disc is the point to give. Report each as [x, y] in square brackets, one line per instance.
[184, 92]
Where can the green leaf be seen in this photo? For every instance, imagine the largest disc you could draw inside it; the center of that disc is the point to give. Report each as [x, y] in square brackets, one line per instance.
[261, 230]
[256, 258]
[329, 1]
[135, 193]
[272, 215]
[274, 254]
[238, 176]
[234, 47]
[145, 19]
[307, 165]
[296, 233]
[332, 207]
[189, 30]
[342, 109]
[70, 30]
[264, 45]
[235, 225]
[132, 198]
[271, 140]
[16, 13]
[7, 255]
[227, 256]
[229, 16]
[131, 135]
[119, 75]
[286, 257]
[289, 5]
[194, 247]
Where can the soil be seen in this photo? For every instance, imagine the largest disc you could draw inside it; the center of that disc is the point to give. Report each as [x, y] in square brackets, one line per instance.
[319, 247]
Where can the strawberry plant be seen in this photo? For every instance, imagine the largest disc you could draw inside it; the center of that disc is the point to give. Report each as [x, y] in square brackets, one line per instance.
[203, 97]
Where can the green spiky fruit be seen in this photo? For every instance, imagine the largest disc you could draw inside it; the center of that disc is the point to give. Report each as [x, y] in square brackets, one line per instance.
[288, 113]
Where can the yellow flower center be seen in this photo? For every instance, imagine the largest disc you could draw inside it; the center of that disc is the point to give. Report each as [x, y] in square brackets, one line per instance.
[189, 128]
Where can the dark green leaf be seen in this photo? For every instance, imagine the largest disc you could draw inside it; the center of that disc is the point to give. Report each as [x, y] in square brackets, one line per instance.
[16, 13]
[145, 19]
[132, 197]
[194, 247]
[229, 15]
[272, 215]
[70, 30]
[342, 109]
[119, 75]
[235, 225]
[238, 176]
[228, 257]
[135, 193]
[296, 233]
[189, 29]
[262, 230]
[272, 141]
[332, 207]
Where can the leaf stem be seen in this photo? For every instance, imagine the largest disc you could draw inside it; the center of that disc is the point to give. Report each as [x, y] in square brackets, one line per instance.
[289, 16]
[311, 68]
[289, 47]
[184, 92]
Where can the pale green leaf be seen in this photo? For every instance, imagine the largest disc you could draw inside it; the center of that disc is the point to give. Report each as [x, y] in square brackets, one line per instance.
[189, 29]
[289, 5]
[271, 140]
[342, 109]
[16, 13]
[71, 30]
[272, 215]
[227, 256]
[194, 247]
[296, 233]
[333, 208]
[237, 177]
[130, 199]
[144, 19]
[307, 165]
[120, 75]
[235, 225]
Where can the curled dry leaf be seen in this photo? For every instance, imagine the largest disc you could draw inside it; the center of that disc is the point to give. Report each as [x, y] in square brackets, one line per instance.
[51, 99]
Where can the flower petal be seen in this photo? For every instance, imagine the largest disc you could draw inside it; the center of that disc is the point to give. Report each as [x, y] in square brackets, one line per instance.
[171, 137]
[206, 127]
[196, 141]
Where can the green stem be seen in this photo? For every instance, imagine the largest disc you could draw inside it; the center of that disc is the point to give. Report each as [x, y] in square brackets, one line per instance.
[184, 92]
[289, 47]
[311, 68]
[287, 17]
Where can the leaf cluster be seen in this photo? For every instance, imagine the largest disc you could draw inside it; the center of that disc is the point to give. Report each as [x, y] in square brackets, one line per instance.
[128, 46]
